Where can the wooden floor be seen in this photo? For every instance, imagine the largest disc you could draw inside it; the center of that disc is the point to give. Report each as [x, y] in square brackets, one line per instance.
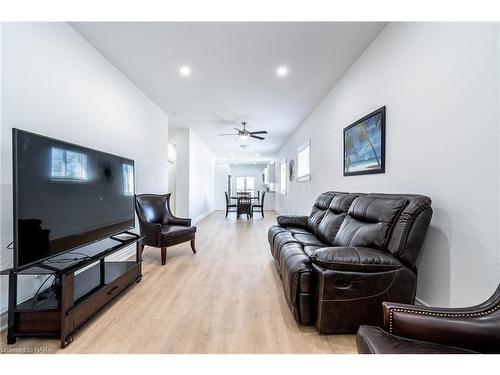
[227, 298]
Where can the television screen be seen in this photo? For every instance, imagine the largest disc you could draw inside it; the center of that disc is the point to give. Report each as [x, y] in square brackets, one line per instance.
[66, 196]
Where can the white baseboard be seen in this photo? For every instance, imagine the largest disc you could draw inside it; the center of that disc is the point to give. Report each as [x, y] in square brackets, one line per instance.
[419, 302]
[201, 217]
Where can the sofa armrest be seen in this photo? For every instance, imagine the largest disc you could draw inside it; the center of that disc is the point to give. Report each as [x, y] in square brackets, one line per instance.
[293, 220]
[460, 327]
[355, 259]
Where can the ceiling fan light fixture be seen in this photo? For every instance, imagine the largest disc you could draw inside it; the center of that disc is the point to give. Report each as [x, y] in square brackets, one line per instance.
[244, 137]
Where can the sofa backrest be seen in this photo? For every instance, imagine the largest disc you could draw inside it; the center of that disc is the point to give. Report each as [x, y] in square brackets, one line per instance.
[396, 223]
[369, 222]
[319, 210]
[409, 230]
[334, 216]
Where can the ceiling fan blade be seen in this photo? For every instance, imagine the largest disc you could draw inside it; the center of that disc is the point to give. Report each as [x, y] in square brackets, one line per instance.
[254, 136]
[238, 130]
[259, 132]
[229, 134]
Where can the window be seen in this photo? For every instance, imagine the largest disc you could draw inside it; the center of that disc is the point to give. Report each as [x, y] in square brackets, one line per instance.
[245, 184]
[283, 177]
[240, 184]
[68, 165]
[304, 162]
[128, 179]
[266, 176]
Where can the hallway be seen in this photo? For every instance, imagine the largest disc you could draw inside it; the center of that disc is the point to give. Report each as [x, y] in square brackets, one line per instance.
[225, 299]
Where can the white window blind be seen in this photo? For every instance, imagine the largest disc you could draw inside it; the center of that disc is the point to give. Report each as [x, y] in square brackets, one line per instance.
[245, 184]
[128, 179]
[68, 165]
[304, 162]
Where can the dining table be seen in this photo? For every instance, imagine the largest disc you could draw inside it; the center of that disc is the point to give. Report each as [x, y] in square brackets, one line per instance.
[257, 198]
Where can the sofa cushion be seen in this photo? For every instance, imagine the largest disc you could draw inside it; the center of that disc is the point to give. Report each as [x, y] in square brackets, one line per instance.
[296, 276]
[334, 216]
[279, 240]
[177, 231]
[369, 222]
[296, 230]
[374, 340]
[318, 211]
[355, 259]
[308, 239]
[310, 249]
[272, 232]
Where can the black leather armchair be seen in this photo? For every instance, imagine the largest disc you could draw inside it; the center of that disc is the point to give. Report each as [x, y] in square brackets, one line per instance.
[410, 329]
[159, 226]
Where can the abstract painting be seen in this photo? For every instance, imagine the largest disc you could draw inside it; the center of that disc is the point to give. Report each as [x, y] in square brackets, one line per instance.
[364, 145]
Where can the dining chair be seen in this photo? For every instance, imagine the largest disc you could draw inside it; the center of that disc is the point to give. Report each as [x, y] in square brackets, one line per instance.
[259, 205]
[229, 205]
[244, 206]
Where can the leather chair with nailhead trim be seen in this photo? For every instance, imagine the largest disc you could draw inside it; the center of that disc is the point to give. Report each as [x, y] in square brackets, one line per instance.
[410, 329]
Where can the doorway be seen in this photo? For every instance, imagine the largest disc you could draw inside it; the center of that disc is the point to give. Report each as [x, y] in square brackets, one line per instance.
[171, 184]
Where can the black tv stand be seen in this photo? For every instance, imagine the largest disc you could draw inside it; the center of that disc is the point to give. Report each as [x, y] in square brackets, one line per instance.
[83, 288]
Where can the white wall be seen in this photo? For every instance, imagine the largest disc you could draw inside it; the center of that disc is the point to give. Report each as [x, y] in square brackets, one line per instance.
[440, 83]
[221, 172]
[201, 179]
[56, 84]
[195, 175]
[181, 138]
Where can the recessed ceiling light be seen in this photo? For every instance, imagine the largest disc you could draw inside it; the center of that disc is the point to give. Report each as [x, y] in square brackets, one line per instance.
[257, 154]
[185, 71]
[282, 71]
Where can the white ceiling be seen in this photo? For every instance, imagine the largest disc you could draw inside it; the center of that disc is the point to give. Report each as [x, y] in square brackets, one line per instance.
[233, 72]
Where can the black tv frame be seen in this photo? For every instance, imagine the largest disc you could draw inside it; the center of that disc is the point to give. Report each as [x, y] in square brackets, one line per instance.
[15, 132]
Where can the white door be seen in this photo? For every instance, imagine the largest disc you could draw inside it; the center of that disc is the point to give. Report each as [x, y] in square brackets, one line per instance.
[171, 184]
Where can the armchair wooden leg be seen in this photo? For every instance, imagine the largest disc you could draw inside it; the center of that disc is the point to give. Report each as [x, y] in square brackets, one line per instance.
[142, 248]
[163, 256]
[193, 246]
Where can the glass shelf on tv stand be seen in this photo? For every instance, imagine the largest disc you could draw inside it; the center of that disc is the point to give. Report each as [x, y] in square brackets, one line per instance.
[77, 258]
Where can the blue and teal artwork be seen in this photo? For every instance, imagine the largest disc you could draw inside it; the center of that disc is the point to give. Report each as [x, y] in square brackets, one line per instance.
[364, 145]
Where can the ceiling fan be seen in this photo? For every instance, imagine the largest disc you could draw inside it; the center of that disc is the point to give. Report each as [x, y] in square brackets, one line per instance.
[244, 134]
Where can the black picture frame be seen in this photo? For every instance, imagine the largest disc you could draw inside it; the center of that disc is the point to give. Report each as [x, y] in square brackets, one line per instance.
[380, 167]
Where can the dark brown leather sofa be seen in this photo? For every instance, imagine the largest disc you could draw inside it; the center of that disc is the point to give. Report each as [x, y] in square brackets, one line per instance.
[352, 252]
[412, 329]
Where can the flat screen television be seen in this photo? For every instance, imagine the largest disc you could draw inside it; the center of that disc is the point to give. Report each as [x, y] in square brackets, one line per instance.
[66, 196]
